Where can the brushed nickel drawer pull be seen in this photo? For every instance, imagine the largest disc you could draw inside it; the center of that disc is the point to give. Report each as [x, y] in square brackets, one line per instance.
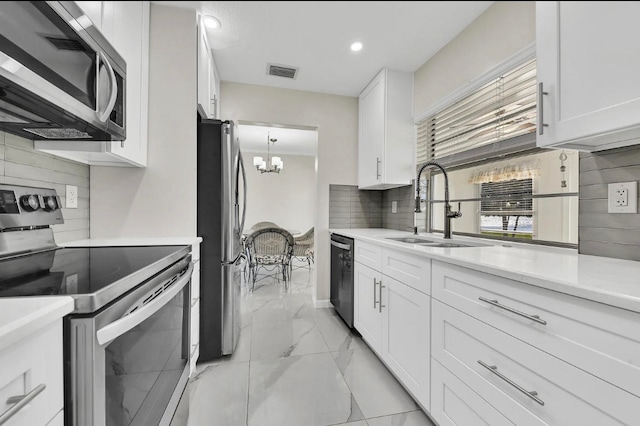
[19, 402]
[378, 161]
[494, 369]
[375, 283]
[497, 304]
[380, 306]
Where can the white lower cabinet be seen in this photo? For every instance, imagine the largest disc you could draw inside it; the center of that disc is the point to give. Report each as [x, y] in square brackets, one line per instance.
[454, 404]
[394, 319]
[525, 384]
[58, 420]
[34, 367]
[406, 317]
[367, 315]
[477, 349]
[194, 352]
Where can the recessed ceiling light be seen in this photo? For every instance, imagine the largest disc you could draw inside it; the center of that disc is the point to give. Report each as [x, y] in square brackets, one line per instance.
[356, 47]
[211, 22]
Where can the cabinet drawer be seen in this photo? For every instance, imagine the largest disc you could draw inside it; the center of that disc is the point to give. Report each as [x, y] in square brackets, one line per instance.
[454, 404]
[368, 254]
[565, 395]
[35, 360]
[600, 339]
[414, 271]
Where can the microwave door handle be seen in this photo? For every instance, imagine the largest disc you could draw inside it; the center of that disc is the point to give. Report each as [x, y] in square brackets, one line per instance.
[117, 328]
[104, 115]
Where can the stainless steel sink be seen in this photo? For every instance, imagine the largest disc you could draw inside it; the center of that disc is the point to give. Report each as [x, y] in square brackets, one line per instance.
[447, 244]
[437, 243]
[412, 240]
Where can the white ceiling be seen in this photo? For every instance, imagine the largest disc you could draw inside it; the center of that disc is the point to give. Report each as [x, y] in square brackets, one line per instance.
[315, 36]
[253, 139]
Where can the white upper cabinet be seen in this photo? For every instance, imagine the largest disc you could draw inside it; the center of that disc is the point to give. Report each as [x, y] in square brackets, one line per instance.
[588, 66]
[208, 80]
[385, 140]
[126, 26]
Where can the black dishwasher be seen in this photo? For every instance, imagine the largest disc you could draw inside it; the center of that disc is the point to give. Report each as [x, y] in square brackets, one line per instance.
[342, 277]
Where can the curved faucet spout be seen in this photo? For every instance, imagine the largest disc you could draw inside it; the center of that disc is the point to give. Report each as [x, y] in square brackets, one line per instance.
[448, 214]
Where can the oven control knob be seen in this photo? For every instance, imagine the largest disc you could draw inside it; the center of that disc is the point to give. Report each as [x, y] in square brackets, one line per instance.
[50, 203]
[30, 202]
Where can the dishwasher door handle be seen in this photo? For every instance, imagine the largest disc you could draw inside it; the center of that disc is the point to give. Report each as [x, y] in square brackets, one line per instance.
[340, 245]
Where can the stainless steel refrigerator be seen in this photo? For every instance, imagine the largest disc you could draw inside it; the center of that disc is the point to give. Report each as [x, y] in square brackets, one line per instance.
[221, 199]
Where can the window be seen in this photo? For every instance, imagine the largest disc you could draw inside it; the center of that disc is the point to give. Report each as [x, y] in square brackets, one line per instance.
[506, 208]
[505, 186]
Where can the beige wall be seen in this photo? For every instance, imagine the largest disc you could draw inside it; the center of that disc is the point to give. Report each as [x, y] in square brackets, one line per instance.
[286, 198]
[159, 201]
[501, 31]
[336, 118]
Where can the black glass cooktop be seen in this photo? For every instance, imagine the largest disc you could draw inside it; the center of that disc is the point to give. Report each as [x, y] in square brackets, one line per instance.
[80, 271]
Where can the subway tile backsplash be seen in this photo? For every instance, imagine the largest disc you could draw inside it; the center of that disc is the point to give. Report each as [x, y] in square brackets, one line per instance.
[20, 164]
[350, 207]
[402, 219]
[601, 233]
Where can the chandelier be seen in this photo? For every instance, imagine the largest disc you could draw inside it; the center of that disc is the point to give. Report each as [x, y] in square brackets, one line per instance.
[272, 164]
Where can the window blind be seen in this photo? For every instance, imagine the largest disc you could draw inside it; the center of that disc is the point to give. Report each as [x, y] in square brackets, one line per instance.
[497, 119]
[512, 197]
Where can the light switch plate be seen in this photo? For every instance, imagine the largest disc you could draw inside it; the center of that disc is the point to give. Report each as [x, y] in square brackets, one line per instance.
[623, 197]
[71, 197]
[394, 207]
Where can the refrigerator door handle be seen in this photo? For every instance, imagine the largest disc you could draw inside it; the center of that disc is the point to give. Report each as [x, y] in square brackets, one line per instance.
[244, 191]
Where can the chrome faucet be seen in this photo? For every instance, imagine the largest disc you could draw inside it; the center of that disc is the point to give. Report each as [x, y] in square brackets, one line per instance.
[448, 214]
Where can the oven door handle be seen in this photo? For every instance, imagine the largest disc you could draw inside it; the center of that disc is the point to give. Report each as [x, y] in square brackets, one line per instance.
[117, 328]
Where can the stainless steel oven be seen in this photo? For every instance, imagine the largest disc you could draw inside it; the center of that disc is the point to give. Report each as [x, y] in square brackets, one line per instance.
[127, 341]
[129, 363]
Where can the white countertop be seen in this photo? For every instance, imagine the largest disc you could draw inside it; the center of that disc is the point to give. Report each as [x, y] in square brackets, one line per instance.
[615, 282]
[140, 241]
[21, 316]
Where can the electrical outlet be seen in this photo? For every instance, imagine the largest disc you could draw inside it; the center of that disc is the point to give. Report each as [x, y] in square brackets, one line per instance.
[394, 207]
[72, 197]
[623, 197]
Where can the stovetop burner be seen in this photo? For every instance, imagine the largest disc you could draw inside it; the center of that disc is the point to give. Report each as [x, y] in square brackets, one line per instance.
[82, 271]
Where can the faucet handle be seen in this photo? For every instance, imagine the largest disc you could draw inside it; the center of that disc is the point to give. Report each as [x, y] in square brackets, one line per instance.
[451, 214]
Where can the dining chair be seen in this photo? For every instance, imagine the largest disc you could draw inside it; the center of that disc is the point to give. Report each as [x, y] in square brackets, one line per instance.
[270, 249]
[303, 247]
[265, 224]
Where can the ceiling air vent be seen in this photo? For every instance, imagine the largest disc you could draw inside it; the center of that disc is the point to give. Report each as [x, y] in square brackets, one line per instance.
[282, 71]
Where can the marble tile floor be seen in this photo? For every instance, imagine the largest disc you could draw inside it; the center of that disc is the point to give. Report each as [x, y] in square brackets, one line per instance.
[295, 366]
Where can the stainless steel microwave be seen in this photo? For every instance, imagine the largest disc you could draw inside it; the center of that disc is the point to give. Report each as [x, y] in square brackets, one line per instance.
[60, 79]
